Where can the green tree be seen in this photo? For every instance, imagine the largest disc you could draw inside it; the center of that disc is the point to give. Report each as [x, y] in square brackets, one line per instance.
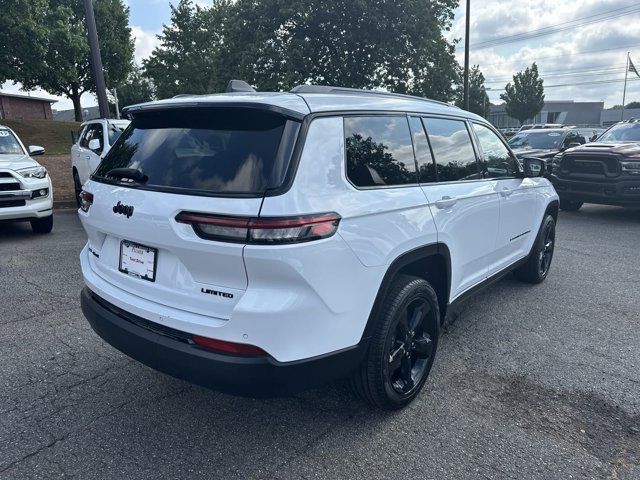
[628, 105]
[63, 67]
[396, 45]
[277, 44]
[22, 38]
[189, 57]
[136, 89]
[478, 98]
[524, 97]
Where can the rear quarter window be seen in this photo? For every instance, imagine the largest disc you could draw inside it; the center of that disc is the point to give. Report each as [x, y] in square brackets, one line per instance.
[207, 151]
[379, 151]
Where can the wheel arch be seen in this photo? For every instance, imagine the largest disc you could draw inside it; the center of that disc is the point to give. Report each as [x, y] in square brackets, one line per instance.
[552, 209]
[431, 262]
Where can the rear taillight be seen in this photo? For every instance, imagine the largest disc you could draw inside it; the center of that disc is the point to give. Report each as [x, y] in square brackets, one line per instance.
[86, 200]
[262, 230]
[228, 347]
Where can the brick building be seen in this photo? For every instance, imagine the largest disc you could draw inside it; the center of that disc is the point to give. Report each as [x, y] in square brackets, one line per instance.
[24, 106]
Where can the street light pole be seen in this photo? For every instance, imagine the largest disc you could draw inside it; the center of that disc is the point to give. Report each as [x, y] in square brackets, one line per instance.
[96, 60]
[466, 57]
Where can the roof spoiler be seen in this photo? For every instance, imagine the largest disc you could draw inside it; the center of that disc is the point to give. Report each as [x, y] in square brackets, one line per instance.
[238, 86]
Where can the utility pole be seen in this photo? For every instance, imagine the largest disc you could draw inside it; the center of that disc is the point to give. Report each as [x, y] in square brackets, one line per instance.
[624, 91]
[466, 57]
[96, 60]
[114, 92]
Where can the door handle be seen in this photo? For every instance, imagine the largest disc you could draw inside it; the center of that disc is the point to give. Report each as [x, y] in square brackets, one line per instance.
[446, 202]
[506, 192]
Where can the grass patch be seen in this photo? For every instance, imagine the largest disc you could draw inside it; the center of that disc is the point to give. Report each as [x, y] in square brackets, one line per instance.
[54, 136]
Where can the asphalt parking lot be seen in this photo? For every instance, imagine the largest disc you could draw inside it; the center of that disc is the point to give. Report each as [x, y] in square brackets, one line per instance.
[529, 382]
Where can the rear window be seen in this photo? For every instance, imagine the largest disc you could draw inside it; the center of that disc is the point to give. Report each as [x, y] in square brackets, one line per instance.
[206, 151]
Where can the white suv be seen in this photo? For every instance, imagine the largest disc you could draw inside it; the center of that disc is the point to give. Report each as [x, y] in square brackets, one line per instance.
[26, 193]
[95, 139]
[260, 243]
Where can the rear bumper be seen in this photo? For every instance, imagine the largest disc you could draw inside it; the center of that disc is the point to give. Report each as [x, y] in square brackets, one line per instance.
[621, 192]
[169, 351]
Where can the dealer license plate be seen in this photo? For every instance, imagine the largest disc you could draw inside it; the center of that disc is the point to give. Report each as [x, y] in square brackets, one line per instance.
[138, 260]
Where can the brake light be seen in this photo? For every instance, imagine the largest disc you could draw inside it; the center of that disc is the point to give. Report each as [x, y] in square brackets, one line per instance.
[228, 347]
[262, 230]
[86, 200]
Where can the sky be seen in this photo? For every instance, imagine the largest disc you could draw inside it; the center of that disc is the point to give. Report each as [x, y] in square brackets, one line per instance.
[589, 44]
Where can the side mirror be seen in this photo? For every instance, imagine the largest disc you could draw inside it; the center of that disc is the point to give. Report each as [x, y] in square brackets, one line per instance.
[533, 167]
[574, 144]
[36, 150]
[94, 145]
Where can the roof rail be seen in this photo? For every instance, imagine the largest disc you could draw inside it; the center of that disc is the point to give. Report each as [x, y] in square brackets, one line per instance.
[180, 95]
[358, 91]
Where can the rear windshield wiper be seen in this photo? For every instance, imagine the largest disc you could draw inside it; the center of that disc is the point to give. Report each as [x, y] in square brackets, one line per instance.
[128, 173]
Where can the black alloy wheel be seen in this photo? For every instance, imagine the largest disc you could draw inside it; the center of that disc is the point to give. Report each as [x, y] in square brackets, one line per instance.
[411, 347]
[536, 268]
[546, 252]
[402, 346]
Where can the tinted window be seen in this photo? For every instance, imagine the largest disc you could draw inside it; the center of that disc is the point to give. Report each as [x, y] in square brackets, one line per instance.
[622, 132]
[451, 144]
[426, 165]
[85, 136]
[497, 161]
[114, 130]
[97, 134]
[379, 151]
[207, 150]
[8, 143]
[79, 135]
[536, 139]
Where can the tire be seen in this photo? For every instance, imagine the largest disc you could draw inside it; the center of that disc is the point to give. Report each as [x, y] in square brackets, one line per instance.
[570, 205]
[77, 186]
[402, 347]
[42, 225]
[536, 269]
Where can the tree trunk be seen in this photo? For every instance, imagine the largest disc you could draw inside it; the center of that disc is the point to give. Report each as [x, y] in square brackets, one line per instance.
[77, 108]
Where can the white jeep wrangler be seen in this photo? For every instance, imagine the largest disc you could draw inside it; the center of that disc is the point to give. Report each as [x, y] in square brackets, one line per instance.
[260, 243]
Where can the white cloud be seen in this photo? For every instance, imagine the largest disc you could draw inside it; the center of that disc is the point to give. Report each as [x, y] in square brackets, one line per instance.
[556, 54]
[145, 42]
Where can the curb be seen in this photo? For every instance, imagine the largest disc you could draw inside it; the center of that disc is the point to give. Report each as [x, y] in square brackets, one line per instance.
[64, 204]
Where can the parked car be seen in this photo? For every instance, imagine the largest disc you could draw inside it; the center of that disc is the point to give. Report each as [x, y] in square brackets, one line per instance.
[538, 126]
[590, 133]
[544, 143]
[262, 243]
[95, 139]
[606, 171]
[26, 194]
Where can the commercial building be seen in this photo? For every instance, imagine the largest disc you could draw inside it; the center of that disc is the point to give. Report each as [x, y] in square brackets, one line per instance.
[566, 112]
[14, 106]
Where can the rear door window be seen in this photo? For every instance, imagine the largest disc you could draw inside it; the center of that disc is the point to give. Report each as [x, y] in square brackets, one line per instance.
[379, 151]
[452, 149]
[205, 151]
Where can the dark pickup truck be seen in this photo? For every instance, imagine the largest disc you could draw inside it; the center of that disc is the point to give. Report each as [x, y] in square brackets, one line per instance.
[605, 172]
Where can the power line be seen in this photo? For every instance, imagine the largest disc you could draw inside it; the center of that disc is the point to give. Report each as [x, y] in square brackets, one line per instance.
[570, 74]
[560, 27]
[585, 52]
[595, 82]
